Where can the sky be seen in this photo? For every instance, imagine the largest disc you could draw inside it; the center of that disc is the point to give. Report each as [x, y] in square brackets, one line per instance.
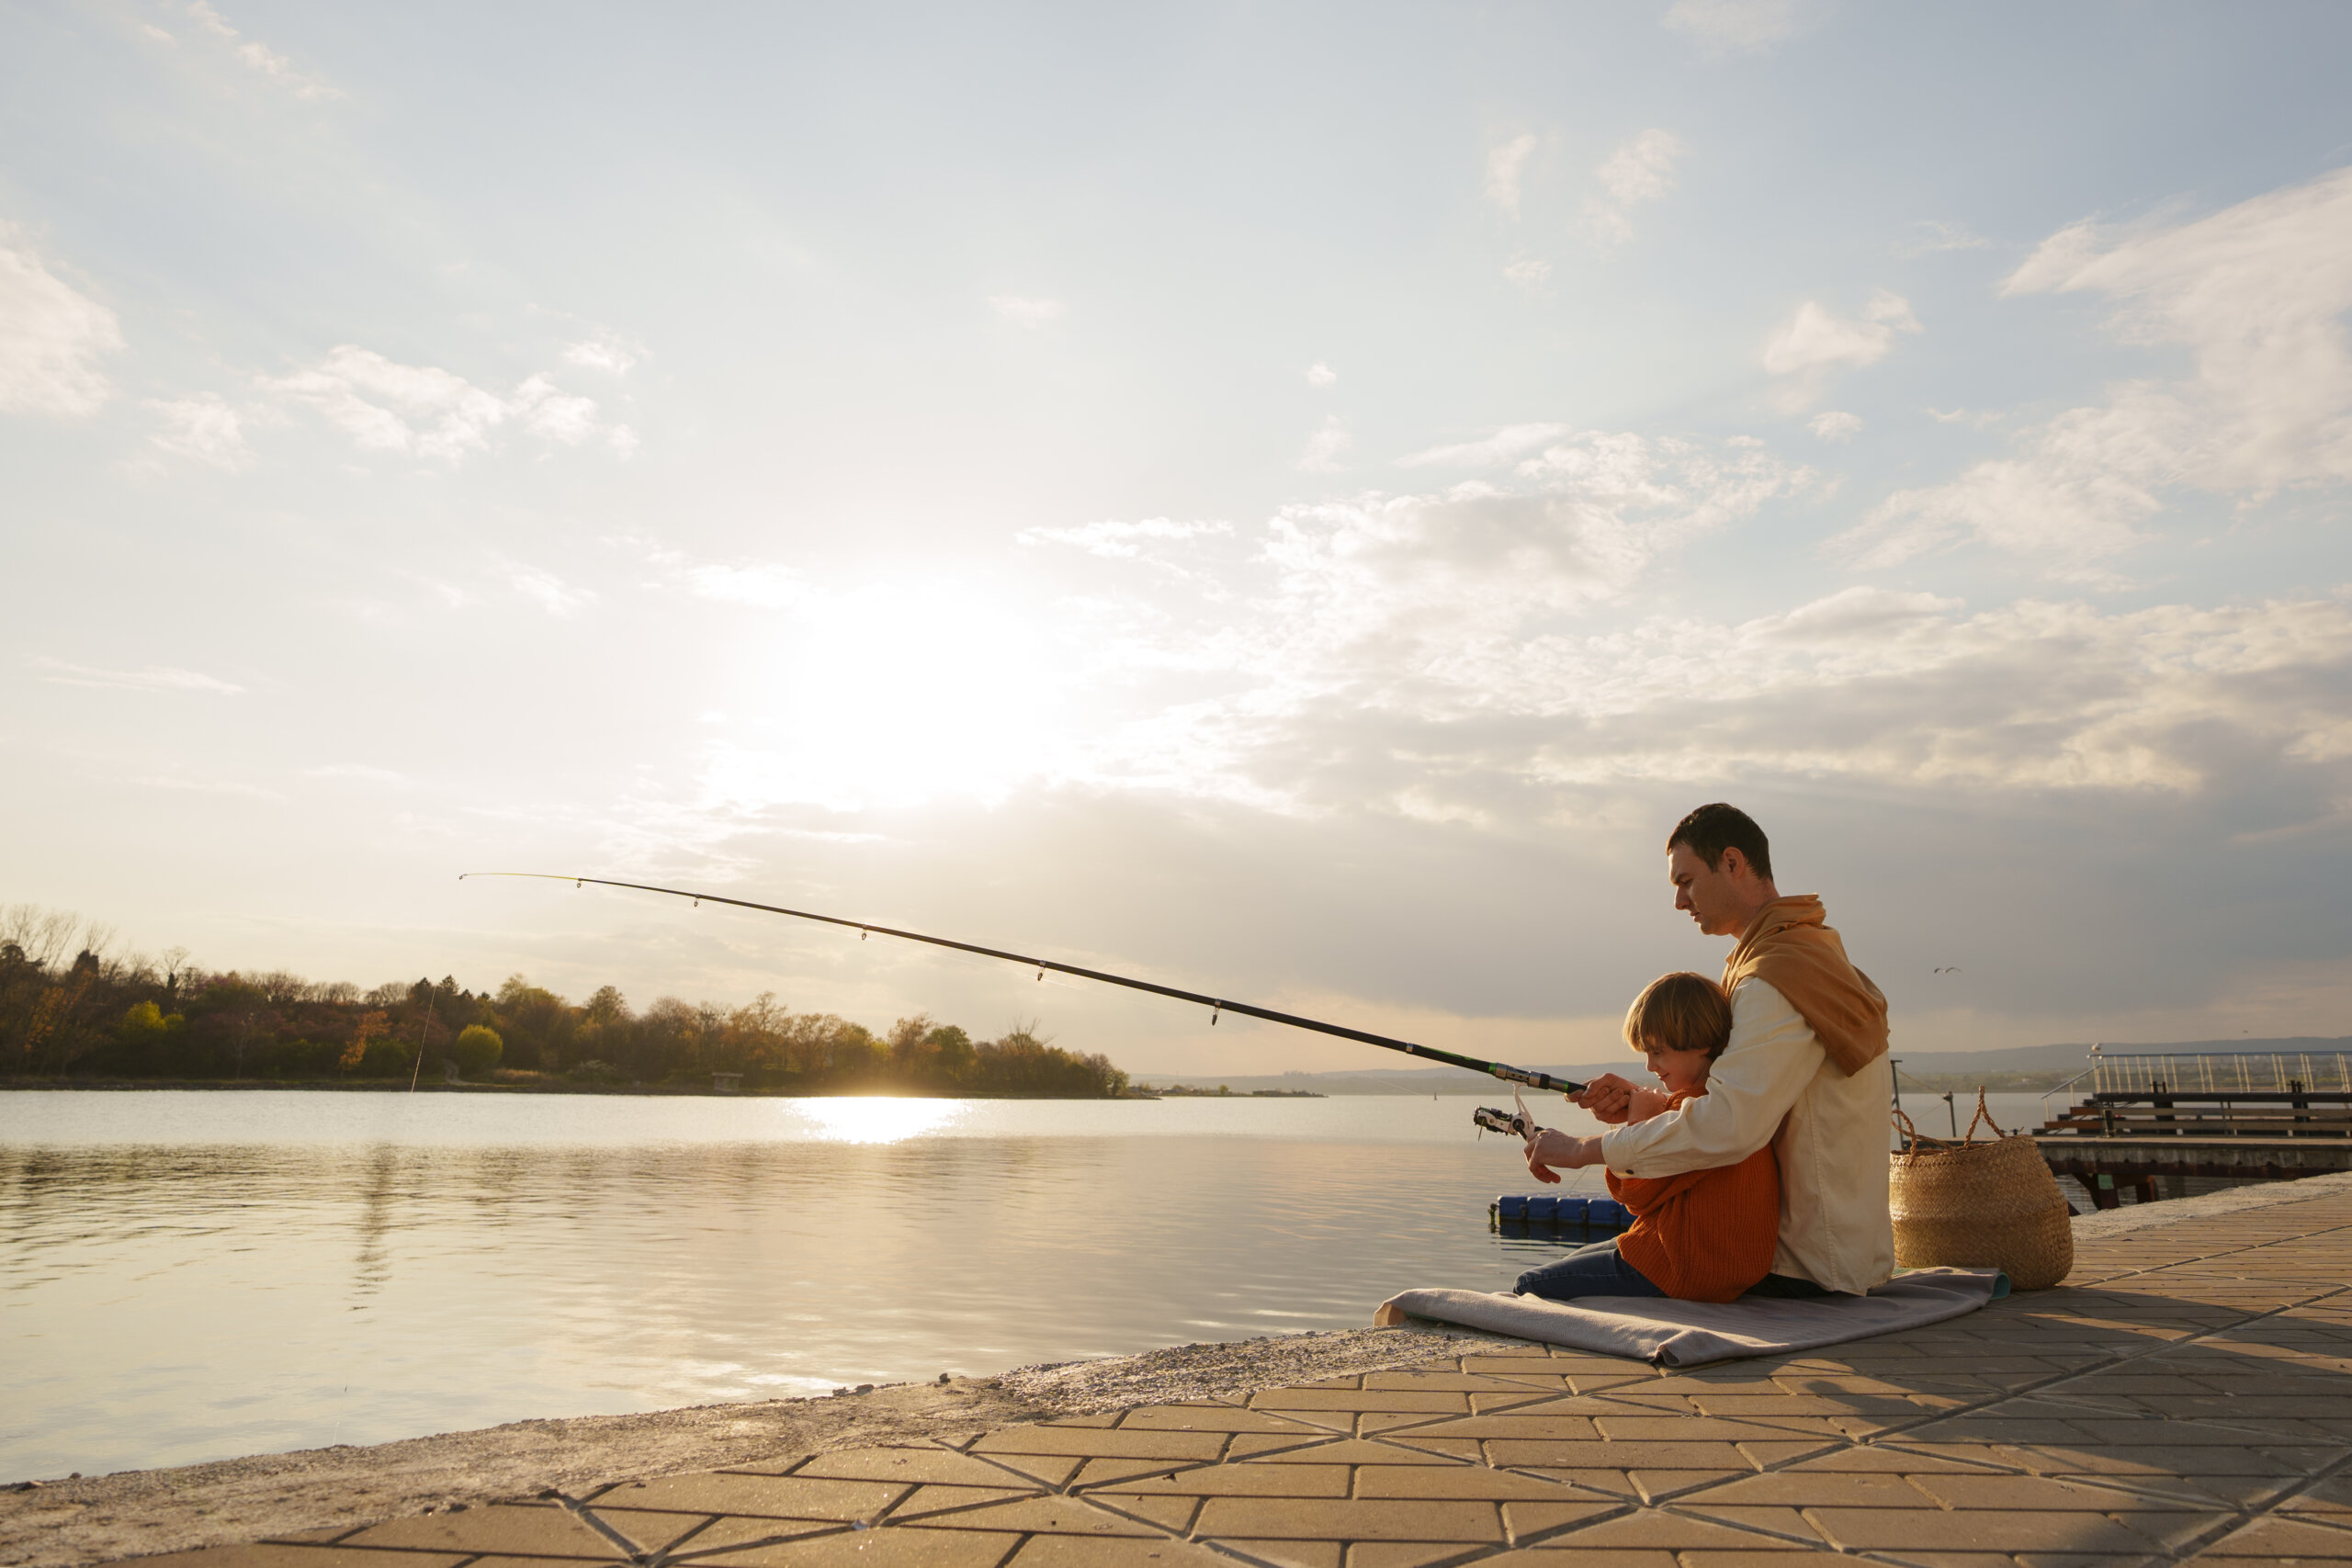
[1291, 501]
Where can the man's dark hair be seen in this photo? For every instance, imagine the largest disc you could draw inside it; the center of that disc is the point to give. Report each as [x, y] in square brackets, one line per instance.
[1712, 829]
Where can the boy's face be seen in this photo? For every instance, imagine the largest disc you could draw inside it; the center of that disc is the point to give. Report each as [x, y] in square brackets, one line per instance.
[1678, 1070]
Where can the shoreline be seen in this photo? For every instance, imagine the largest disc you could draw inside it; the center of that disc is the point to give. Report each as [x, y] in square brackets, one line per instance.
[74, 1522]
[438, 1085]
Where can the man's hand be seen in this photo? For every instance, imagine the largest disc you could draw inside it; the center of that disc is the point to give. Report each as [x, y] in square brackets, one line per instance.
[1551, 1147]
[1607, 1097]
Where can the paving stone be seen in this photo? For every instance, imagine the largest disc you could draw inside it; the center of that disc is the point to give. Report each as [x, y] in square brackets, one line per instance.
[1173, 1514]
[1597, 1455]
[1455, 1481]
[917, 1465]
[1569, 1428]
[1209, 1418]
[941, 1499]
[277, 1554]
[1785, 1522]
[1988, 1529]
[2244, 1475]
[2271, 1540]
[1301, 1553]
[1541, 1556]
[651, 1531]
[1065, 1552]
[517, 1531]
[876, 1549]
[1708, 1429]
[1056, 1469]
[1049, 1516]
[1108, 1472]
[1295, 1518]
[1354, 1450]
[1658, 1486]
[730, 1535]
[1388, 1400]
[1814, 1489]
[1449, 1381]
[1527, 1518]
[1658, 1529]
[1613, 1482]
[2332, 1496]
[1100, 1443]
[765, 1497]
[1401, 1553]
[1250, 1445]
[1907, 1460]
[2039, 1491]
[1242, 1481]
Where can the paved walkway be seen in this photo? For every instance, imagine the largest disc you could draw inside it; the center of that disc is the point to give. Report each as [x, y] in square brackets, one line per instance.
[2185, 1397]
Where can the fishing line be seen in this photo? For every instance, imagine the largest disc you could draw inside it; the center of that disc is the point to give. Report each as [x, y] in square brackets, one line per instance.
[1216, 1005]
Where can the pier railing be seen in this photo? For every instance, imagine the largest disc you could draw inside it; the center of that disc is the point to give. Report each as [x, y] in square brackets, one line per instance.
[2224, 1075]
[2271, 1095]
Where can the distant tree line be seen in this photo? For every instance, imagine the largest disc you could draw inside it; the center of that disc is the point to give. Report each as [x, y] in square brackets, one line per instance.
[73, 1006]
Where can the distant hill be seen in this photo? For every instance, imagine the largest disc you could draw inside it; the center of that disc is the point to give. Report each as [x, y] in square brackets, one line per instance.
[1927, 1068]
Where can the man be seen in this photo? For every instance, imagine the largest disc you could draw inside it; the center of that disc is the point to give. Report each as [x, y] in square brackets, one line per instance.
[1806, 1071]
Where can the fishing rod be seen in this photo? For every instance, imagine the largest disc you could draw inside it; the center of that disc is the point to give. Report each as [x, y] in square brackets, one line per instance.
[1217, 1006]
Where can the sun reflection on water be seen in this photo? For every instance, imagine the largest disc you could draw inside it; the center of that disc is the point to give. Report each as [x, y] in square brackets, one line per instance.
[877, 1118]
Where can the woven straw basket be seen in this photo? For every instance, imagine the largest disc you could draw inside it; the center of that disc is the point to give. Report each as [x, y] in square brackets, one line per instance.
[1971, 1205]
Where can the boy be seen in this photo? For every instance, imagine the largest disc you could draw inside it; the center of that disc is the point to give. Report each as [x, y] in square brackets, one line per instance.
[1705, 1236]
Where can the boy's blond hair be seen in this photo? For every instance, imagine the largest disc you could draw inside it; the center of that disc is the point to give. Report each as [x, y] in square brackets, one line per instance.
[1679, 1013]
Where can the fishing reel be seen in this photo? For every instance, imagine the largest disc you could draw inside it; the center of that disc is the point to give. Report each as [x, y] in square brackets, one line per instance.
[1518, 1123]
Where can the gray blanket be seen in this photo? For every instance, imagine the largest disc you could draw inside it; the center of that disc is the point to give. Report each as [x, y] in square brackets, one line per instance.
[1689, 1333]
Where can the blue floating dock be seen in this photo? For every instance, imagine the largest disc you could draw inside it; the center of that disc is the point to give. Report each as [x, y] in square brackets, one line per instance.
[1559, 1213]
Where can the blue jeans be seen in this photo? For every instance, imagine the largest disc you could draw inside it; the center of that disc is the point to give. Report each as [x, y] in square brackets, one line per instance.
[1594, 1270]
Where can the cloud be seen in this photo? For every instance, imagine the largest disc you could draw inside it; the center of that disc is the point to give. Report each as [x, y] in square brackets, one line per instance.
[1528, 272]
[1381, 575]
[1813, 339]
[151, 678]
[1321, 375]
[1326, 447]
[2257, 295]
[1832, 424]
[1640, 169]
[548, 591]
[258, 56]
[1505, 169]
[1927, 237]
[206, 429]
[51, 338]
[1122, 541]
[1025, 312]
[603, 352]
[1729, 27]
[764, 585]
[1505, 446]
[426, 413]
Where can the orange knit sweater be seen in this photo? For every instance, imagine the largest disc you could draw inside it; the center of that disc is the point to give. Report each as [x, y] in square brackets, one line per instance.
[1705, 1236]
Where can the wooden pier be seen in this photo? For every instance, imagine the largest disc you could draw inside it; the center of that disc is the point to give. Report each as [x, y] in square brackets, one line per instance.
[2251, 1118]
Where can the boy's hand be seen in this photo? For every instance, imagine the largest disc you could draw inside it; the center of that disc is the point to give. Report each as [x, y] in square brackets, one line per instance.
[1607, 1097]
[1551, 1147]
[1649, 1102]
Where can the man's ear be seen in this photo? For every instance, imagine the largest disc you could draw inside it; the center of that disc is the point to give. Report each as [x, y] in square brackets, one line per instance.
[1732, 862]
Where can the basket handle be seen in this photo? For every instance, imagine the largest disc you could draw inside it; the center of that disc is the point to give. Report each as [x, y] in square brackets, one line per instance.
[1983, 1115]
[1913, 1139]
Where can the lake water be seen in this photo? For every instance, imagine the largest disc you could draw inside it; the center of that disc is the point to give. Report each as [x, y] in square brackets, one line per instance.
[187, 1276]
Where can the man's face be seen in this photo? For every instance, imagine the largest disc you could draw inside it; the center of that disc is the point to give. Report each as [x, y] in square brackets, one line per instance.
[1708, 896]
